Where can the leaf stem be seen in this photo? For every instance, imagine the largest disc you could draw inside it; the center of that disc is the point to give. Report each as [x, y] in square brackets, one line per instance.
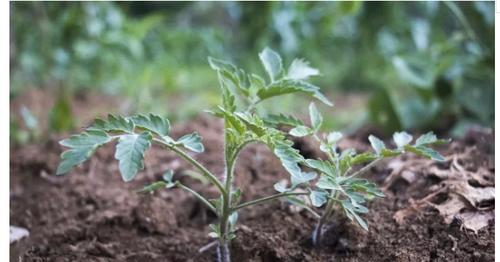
[195, 163]
[265, 199]
[200, 197]
[365, 168]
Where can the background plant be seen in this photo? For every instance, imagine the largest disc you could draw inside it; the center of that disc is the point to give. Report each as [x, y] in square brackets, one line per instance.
[440, 67]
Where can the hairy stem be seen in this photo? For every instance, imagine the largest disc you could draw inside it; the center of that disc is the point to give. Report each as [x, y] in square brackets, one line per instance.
[195, 163]
[318, 231]
[365, 168]
[269, 198]
[223, 252]
[198, 196]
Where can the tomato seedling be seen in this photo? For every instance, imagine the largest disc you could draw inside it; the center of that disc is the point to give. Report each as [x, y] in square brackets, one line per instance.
[241, 94]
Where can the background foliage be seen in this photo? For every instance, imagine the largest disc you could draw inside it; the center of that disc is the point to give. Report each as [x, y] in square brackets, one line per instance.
[418, 65]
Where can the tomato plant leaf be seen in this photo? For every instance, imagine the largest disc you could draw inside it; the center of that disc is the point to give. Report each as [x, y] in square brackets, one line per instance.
[153, 123]
[315, 116]
[130, 153]
[376, 144]
[402, 139]
[192, 142]
[301, 131]
[300, 69]
[113, 123]
[271, 62]
[81, 146]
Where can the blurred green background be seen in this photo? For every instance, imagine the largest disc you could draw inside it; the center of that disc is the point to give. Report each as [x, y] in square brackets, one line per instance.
[393, 65]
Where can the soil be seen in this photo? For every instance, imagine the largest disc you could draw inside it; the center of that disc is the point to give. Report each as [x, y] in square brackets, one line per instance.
[92, 215]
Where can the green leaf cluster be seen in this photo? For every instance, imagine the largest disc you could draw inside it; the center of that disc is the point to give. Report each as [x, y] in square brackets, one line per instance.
[134, 135]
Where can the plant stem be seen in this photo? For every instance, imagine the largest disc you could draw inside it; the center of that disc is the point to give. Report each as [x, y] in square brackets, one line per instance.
[195, 163]
[265, 199]
[365, 168]
[200, 197]
[318, 231]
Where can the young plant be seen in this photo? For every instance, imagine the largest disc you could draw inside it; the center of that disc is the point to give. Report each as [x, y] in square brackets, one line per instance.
[339, 183]
[242, 126]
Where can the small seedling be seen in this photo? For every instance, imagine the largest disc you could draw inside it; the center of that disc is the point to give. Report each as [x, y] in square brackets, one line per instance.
[241, 93]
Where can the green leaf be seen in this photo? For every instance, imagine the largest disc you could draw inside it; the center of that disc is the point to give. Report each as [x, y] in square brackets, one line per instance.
[113, 123]
[320, 165]
[365, 186]
[318, 198]
[350, 211]
[192, 142]
[281, 119]
[300, 131]
[430, 139]
[402, 139]
[290, 157]
[153, 123]
[130, 153]
[425, 152]
[300, 69]
[272, 63]
[81, 146]
[376, 143]
[363, 158]
[325, 182]
[288, 86]
[233, 121]
[316, 118]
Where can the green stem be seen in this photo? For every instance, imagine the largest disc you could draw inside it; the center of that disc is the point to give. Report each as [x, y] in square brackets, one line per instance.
[195, 163]
[318, 231]
[200, 197]
[365, 168]
[269, 198]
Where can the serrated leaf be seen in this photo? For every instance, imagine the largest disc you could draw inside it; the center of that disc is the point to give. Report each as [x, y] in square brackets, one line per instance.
[113, 123]
[321, 165]
[366, 186]
[130, 153]
[425, 152]
[290, 157]
[376, 144]
[192, 142]
[272, 63]
[316, 118]
[233, 121]
[300, 69]
[318, 198]
[81, 148]
[254, 123]
[325, 182]
[430, 139]
[300, 131]
[282, 119]
[351, 213]
[288, 86]
[153, 123]
[402, 139]
[363, 158]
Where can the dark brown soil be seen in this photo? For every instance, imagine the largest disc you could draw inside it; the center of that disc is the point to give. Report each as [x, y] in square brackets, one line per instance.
[92, 215]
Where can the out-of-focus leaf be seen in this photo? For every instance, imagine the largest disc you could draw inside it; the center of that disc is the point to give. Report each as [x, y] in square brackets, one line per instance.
[272, 63]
